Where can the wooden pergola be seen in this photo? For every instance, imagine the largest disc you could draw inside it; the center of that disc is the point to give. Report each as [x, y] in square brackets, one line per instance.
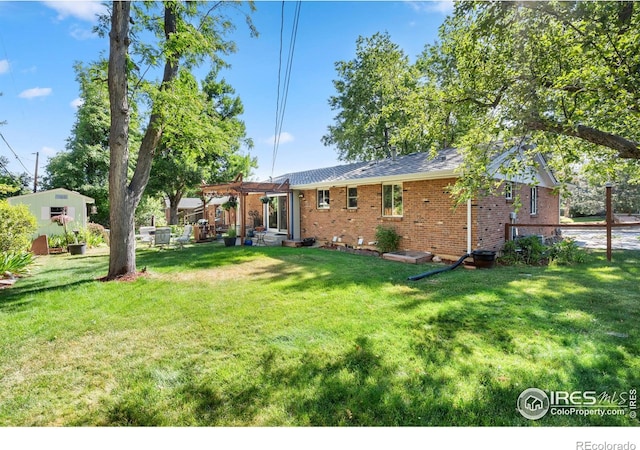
[241, 189]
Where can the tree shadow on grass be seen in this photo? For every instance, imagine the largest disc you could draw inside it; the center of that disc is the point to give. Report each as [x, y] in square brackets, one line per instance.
[19, 298]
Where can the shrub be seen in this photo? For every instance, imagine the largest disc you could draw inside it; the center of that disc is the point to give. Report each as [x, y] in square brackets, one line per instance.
[388, 239]
[17, 227]
[567, 252]
[94, 235]
[530, 250]
[527, 250]
[96, 229]
[59, 240]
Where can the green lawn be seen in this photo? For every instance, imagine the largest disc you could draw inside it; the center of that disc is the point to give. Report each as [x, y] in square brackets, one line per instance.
[284, 336]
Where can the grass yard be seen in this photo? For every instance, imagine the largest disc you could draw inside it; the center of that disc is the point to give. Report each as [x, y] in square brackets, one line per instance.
[286, 336]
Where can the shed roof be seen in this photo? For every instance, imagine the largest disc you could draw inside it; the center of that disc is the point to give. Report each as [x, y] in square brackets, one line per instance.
[53, 191]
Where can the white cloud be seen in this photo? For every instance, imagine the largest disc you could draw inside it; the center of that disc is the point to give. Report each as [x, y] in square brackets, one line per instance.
[440, 6]
[4, 66]
[83, 10]
[76, 103]
[48, 151]
[284, 138]
[35, 92]
[81, 34]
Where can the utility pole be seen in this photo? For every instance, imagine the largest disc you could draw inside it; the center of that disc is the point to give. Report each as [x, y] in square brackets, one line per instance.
[35, 176]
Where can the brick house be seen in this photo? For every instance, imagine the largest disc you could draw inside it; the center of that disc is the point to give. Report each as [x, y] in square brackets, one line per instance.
[411, 194]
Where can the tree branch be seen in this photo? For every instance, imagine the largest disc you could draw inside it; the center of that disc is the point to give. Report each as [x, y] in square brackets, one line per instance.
[626, 148]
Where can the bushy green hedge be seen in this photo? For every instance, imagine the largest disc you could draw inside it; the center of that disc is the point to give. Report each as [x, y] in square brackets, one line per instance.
[531, 251]
[17, 226]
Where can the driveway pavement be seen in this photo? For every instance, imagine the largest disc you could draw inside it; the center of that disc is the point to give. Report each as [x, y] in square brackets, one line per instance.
[621, 238]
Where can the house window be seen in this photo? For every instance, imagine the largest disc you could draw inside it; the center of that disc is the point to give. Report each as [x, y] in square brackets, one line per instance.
[352, 197]
[323, 198]
[508, 190]
[392, 200]
[534, 200]
[56, 211]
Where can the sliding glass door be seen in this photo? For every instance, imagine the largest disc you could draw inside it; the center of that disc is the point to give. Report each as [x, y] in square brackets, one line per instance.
[277, 213]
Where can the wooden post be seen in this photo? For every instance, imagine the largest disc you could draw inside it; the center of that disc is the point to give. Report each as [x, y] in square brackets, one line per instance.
[609, 220]
[243, 230]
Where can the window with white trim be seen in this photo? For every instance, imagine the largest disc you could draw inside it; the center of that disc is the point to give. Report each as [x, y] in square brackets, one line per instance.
[352, 197]
[392, 200]
[534, 200]
[323, 198]
[508, 190]
[56, 211]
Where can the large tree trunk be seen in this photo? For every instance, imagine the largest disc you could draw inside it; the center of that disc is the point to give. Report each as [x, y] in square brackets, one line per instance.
[124, 198]
[174, 201]
[122, 257]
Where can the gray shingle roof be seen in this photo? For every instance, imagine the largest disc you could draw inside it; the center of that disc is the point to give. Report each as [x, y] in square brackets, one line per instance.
[412, 164]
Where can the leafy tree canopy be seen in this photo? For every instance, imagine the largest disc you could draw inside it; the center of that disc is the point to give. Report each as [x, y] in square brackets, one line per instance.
[379, 102]
[565, 75]
[200, 141]
[11, 184]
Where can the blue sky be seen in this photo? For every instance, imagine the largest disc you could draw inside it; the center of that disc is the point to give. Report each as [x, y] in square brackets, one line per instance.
[40, 41]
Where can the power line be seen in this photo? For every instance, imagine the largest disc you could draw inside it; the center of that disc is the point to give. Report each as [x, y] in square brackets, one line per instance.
[12, 176]
[280, 107]
[14, 154]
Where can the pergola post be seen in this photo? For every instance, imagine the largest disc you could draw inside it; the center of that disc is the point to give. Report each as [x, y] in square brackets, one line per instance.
[243, 208]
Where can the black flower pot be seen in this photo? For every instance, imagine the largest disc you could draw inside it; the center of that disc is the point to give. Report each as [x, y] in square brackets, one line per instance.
[484, 259]
[77, 249]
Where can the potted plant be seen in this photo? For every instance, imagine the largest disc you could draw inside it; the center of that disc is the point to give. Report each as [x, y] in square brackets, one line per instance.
[62, 220]
[230, 237]
[56, 243]
[264, 199]
[230, 204]
[77, 248]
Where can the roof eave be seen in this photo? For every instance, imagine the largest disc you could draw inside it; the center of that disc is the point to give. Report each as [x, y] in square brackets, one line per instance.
[420, 176]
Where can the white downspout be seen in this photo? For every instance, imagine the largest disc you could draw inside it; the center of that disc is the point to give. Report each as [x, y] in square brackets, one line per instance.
[469, 226]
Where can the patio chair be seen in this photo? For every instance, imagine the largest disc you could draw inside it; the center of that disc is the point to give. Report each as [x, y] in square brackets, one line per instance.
[186, 236]
[147, 235]
[162, 236]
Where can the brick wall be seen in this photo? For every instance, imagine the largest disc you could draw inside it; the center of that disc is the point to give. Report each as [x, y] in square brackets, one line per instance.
[491, 213]
[429, 222]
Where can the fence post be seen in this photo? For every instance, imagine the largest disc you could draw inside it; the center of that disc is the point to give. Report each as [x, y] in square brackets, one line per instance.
[609, 220]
